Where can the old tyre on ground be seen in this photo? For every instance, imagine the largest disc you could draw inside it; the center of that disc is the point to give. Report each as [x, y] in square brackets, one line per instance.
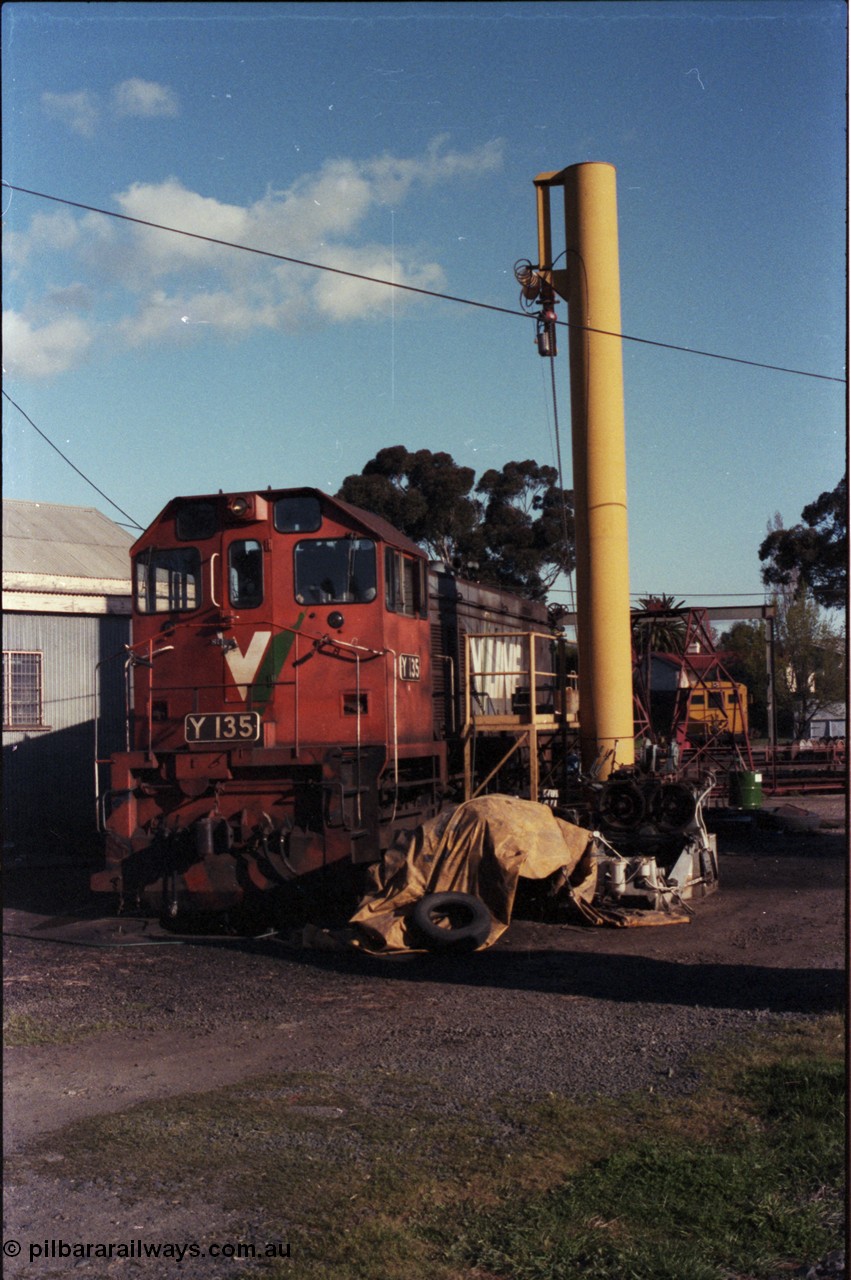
[451, 921]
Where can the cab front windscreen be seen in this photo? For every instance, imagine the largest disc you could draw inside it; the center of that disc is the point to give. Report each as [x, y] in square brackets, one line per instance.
[335, 571]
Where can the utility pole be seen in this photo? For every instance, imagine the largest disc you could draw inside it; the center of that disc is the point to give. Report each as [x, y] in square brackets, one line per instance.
[590, 283]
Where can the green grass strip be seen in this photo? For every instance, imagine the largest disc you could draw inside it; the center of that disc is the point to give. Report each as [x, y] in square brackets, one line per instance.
[389, 1178]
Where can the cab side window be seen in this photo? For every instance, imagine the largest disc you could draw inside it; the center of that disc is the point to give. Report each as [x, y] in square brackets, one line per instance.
[404, 584]
[168, 580]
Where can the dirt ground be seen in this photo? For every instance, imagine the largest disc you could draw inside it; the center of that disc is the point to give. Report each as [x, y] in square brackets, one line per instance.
[773, 938]
[137, 1015]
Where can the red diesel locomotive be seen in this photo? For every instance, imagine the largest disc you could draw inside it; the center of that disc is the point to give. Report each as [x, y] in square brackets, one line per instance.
[295, 691]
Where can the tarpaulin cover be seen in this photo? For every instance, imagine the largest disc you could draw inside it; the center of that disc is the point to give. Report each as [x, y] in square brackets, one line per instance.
[481, 847]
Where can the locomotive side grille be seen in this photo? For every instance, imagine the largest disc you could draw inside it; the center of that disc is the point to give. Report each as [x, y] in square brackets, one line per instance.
[441, 681]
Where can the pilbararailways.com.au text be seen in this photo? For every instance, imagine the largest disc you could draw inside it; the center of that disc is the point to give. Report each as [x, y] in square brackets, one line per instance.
[142, 1249]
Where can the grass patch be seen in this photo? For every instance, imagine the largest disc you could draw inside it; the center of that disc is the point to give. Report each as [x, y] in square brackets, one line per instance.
[377, 1180]
[22, 1029]
[746, 1176]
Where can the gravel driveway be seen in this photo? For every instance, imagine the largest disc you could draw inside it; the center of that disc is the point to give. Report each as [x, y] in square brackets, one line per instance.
[550, 1008]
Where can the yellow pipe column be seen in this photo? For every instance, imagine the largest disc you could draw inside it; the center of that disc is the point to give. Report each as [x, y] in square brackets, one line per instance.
[590, 281]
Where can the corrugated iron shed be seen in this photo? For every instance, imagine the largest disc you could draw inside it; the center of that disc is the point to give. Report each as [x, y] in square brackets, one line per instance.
[830, 722]
[74, 542]
[66, 625]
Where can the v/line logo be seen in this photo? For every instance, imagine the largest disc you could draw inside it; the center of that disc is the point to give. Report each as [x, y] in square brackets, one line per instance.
[243, 666]
[260, 666]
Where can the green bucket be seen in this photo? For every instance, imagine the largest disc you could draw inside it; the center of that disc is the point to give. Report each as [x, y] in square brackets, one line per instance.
[745, 789]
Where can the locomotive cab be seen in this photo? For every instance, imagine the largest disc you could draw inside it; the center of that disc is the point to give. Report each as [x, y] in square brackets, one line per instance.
[280, 698]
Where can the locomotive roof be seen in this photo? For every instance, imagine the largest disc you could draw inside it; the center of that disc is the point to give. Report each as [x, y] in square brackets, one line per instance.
[382, 528]
[367, 520]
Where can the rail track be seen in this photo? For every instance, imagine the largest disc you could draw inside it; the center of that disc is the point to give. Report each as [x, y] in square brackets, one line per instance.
[790, 769]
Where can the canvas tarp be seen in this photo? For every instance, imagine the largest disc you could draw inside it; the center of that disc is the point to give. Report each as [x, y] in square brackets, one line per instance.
[481, 847]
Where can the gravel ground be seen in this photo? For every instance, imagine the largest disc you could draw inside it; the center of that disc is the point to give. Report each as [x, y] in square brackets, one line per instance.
[550, 1008]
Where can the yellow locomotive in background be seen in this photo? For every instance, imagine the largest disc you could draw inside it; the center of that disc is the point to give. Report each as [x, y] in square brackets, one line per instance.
[712, 709]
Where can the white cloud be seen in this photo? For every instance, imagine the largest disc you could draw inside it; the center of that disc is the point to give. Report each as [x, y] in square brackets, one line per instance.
[182, 317]
[83, 112]
[341, 298]
[393, 177]
[318, 211]
[179, 287]
[57, 231]
[144, 98]
[79, 111]
[170, 204]
[55, 347]
[72, 297]
[158, 317]
[335, 200]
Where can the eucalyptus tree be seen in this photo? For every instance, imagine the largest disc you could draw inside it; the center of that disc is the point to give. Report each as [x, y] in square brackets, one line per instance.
[512, 529]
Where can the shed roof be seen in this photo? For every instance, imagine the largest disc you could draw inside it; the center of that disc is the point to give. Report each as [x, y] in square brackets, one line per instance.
[73, 542]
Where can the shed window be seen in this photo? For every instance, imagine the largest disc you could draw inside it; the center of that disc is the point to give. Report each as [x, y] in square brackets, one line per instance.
[23, 701]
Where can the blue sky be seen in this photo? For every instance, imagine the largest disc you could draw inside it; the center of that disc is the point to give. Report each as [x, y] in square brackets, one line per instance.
[401, 141]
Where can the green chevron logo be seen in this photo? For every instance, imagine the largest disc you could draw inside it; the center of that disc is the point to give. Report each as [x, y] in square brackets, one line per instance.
[261, 664]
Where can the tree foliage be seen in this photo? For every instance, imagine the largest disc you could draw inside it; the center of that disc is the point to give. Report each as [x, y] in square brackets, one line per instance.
[425, 495]
[513, 529]
[658, 626]
[809, 663]
[526, 530]
[813, 554]
[744, 647]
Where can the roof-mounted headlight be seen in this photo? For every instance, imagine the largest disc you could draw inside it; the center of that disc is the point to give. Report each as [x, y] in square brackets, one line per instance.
[243, 507]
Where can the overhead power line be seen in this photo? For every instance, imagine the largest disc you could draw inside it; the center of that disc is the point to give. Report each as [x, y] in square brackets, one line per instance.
[134, 523]
[409, 288]
[263, 253]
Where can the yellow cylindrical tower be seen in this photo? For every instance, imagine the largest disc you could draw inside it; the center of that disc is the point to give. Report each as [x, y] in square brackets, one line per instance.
[591, 282]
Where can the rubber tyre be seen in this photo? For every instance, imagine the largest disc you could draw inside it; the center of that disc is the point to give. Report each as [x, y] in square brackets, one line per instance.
[469, 921]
